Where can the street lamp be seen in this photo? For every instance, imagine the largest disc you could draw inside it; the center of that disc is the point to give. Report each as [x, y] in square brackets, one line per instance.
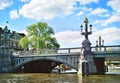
[99, 43]
[38, 40]
[86, 32]
[46, 44]
[5, 35]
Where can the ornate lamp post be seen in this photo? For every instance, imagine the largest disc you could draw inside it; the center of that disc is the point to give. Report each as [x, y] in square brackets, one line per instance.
[99, 43]
[5, 35]
[86, 45]
[38, 34]
[86, 60]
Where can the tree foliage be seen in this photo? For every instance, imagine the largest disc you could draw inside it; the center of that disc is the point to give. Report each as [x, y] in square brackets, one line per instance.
[39, 36]
[24, 42]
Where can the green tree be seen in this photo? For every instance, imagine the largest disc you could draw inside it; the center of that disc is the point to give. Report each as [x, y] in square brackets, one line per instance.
[24, 42]
[39, 36]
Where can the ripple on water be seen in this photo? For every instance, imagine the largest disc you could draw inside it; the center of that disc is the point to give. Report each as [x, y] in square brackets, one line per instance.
[56, 78]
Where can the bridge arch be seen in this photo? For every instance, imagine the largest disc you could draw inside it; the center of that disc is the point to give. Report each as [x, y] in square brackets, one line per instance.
[42, 59]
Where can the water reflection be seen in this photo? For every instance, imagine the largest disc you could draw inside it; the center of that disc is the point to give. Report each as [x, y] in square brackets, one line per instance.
[99, 79]
[57, 78]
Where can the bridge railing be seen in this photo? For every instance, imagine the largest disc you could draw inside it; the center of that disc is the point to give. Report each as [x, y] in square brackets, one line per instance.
[106, 48]
[35, 52]
[94, 49]
[68, 50]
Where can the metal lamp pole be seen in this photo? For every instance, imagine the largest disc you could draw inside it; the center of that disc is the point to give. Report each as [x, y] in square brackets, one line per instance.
[5, 34]
[38, 41]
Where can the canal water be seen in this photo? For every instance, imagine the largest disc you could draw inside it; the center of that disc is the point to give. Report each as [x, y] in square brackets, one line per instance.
[56, 78]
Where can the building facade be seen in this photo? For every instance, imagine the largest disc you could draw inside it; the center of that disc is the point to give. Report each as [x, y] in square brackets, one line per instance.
[10, 39]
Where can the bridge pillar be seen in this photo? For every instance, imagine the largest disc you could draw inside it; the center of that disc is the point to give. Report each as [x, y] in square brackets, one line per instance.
[100, 65]
[5, 60]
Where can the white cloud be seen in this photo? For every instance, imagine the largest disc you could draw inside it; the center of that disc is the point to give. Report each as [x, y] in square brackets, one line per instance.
[83, 10]
[5, 3]
[74, 38]
[100, 12]
[47, 9]
[98, 22]
[1, 26]
[68, 35]
[80, 13]
[14, 14]
[110, 35]
[24, 31]
[115, 4]
[24, 0]
[86, 9]
[110, 20]
[113, 18]
[69, 38]
[84, 2]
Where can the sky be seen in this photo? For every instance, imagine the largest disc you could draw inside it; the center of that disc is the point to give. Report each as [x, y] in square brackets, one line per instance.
[65, 17]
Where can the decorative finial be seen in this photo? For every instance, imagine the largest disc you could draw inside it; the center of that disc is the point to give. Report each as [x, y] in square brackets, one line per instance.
[86, 20]
[7, 22]
[6, 26]
[100, 37]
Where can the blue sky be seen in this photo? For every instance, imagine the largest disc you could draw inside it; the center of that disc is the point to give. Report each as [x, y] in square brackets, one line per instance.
[65, 17]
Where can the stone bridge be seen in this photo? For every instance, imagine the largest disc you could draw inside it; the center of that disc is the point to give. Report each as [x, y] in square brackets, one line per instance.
[45, 61]
[52, 60]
